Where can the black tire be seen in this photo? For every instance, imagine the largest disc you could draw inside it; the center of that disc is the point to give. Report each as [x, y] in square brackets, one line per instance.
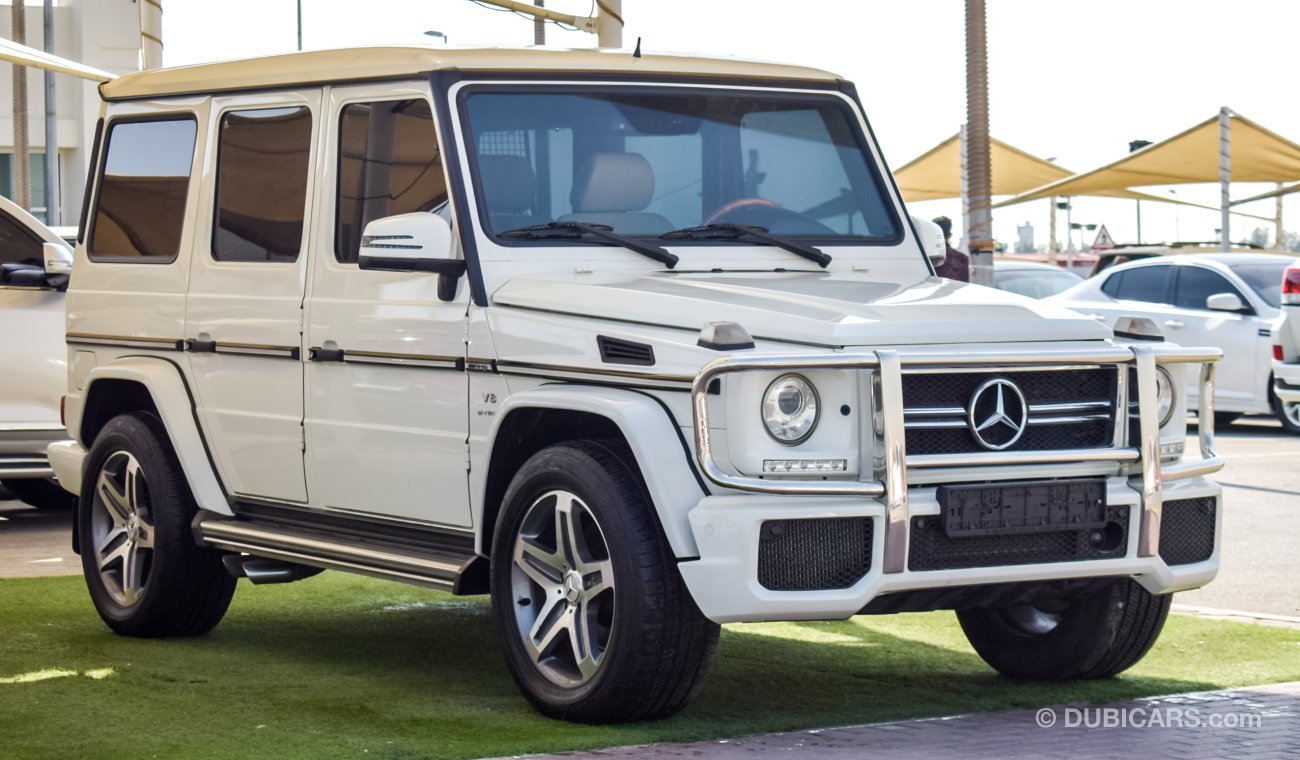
[1289, 424]
[185, 589]
[658, 645]
[42, 493]
[1098, 635]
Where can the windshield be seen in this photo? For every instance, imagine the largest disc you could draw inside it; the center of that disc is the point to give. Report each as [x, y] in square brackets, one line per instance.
[1265, 280]
[646, 161]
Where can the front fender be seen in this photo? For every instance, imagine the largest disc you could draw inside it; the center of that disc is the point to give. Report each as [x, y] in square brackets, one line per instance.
[163, 380]
[653, 436]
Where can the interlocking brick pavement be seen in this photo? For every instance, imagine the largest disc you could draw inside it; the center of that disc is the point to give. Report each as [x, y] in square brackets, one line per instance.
[1257, 723]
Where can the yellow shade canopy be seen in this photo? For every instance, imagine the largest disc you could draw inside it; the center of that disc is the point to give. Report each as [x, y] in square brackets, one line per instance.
[936, 174]
[1191, 156]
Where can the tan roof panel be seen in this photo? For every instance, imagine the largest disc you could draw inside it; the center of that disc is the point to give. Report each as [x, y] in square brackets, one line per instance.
[395, 62]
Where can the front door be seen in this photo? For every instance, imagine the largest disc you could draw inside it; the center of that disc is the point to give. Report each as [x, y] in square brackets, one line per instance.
[387, 395]
[247, 278]
[1238, 375]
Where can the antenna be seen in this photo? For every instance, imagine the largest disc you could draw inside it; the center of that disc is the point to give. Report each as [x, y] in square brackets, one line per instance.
[637, 53]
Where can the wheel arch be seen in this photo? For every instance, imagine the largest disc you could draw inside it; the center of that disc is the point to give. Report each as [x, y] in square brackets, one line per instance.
[155, 386]
[539, 417]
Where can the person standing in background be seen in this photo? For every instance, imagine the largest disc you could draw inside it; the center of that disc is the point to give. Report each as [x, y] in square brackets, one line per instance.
[957, 264]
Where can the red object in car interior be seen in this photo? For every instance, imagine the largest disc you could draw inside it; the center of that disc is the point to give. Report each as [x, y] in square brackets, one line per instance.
[1291, 286]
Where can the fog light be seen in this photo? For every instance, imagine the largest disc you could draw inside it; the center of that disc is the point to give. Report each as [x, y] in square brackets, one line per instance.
[805, 465]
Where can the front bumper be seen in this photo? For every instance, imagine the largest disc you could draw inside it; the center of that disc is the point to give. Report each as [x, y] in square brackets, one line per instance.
[724, 580]
[729, 529]
[22, 451]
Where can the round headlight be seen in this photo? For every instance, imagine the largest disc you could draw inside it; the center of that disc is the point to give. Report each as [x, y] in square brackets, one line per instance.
[1164, 396]
[790, 409]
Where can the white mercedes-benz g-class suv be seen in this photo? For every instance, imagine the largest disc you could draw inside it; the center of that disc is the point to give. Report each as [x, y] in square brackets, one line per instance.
[637, 345]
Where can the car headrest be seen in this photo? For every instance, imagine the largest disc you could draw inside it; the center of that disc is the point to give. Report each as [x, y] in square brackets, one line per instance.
[508, 183]
[617, 182]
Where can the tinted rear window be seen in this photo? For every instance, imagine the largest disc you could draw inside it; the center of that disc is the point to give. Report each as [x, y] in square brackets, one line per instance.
[1149, 284]
[140, 211]
[1264, 279]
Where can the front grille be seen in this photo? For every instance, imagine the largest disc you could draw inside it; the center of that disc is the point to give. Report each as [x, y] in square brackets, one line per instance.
[1068, 409]
[1187, 531]
[810, 555]
[932, 549]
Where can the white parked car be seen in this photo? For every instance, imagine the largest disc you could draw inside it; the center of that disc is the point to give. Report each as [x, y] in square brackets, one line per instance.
[1226, 300]
[637, 345]
[33, 356]
[1286, 352]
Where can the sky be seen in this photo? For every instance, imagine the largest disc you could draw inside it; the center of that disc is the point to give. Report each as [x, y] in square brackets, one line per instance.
[1070, 80]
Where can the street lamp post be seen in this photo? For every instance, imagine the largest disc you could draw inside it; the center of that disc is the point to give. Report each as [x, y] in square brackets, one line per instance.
[434, 33]
[1133, 147]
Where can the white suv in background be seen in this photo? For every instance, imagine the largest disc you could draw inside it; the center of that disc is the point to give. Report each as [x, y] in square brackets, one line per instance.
[34, 266]
[1286, 352]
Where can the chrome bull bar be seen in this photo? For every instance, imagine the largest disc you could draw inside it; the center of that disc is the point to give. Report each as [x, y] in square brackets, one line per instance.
[890, 483]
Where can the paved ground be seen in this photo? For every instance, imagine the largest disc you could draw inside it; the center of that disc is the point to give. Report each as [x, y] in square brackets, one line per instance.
[35, 542]
[1261, 723]
[1261, 522]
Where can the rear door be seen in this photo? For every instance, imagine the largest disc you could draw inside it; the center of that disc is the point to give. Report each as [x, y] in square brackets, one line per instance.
[387, 396]
[248, 273]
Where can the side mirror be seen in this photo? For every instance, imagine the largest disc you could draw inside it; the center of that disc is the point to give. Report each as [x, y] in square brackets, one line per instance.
[58, 264]
[1225, 302]
[417, 242]
[930, 236]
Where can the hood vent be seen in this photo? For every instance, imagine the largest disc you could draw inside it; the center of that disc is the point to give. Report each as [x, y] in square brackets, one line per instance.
[615, 351]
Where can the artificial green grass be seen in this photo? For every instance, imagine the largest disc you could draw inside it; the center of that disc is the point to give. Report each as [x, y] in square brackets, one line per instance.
[342, 666]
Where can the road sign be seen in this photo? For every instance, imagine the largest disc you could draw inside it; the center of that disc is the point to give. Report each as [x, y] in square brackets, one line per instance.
[1103, 241]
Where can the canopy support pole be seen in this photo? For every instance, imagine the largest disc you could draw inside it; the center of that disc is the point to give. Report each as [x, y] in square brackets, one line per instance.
[1279, 237]
[1052, 246]
[978, 164]
[1225, 177]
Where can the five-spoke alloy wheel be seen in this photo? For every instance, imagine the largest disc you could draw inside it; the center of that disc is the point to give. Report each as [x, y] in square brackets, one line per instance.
[597, 624]
[563, 583]
[121, 529]
[146, 574]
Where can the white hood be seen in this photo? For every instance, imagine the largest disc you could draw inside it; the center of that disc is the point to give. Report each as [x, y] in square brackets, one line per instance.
[819, 308]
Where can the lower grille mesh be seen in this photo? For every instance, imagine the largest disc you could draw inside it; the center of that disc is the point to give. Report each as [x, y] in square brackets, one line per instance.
[1187, 531]
[809, 555]
[932, 549]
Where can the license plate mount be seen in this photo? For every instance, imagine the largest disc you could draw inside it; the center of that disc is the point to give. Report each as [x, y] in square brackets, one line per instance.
[1023, 507]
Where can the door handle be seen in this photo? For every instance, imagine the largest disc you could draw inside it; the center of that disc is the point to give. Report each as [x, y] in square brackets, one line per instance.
[1173, 323]
[201, 345]
[325, 354]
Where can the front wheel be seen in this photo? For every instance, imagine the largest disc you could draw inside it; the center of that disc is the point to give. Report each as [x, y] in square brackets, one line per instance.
[1096, 635]
[597, 624]
[1288, 413]
[146, 575]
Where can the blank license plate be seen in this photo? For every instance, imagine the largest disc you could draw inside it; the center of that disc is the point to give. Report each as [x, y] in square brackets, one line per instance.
[1034, 507]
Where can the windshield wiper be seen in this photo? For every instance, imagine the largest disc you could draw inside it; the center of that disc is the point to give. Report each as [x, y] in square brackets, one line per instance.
[580, 230]
[739, 231]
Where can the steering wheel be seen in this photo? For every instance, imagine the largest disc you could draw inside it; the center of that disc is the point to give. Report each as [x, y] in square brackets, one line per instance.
[730, 207]
[768, 214]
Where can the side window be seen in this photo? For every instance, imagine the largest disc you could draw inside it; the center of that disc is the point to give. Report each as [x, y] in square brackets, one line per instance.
[1150, 284]
[17, 245]
[1196, 284]
[140, 212]
[388, 164]
[262, 159]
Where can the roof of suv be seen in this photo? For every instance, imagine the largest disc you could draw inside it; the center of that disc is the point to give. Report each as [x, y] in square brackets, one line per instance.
[371, 63]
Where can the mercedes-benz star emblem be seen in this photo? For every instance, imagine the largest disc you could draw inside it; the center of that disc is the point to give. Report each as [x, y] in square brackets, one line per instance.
[997, 414]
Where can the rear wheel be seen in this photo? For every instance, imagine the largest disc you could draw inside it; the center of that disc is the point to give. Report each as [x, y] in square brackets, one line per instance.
[597, 624]
[1097, 635]
[1288, 413]
[42, 493]
[146, 575]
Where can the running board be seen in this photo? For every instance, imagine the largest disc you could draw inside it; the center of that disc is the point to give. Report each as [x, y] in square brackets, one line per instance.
[443, 568]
